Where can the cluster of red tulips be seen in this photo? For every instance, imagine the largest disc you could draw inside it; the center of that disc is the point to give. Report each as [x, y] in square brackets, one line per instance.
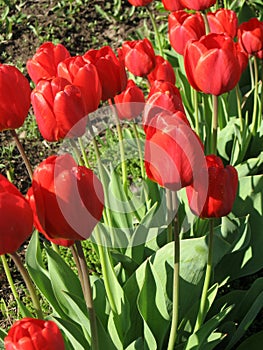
[69, 88]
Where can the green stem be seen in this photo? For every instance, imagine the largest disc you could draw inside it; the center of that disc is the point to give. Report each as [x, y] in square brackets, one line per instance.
[139, 150]
[22, 152]
[196, 112]
[225, 4]
[251, 74]
[76, 152]
[239, 111]
[214, 124]
[88, 296]
[121, 145]
[170, 213]
[55, 248]
[157, 35]
[83, 152]
[9, 276]
[209, 266]
[29, 284]
[76, 260]
[175, 314]
[254, 116]
[207, 28]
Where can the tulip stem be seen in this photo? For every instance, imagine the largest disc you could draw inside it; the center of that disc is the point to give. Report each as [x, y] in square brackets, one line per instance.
[88, 295]
[170, 214]
[29, 284]
[175, 314]
[76, 260]
[157, 35]
[76, 152]
[139, 150]
[122, 152]
[254, 116]
[239, 111]
[9, 276]
[214, 125]
[83, 152]
[202, 308]
[22, 152]
[196, 112]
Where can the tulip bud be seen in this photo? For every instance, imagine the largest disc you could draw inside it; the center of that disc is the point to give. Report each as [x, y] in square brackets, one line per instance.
[223, 21]
[140, 2]
[31, 333]
[16, 218]
[250, 36]
[44, 63]
[163, 71]
[219, 198]
[197, 5]
[172, 5]
[15, 97]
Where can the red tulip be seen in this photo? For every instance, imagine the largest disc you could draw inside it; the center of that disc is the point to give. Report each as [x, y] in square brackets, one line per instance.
[59, 109]
[130, 102]
[34, 334]
[45, 61]
[184, 26]
[250, 36]
[140, 2]
[172, 5]
[216, 56]
[163, 97]
[59, 241]
[15, 97]
[163, 71]
[223, 21]
[197, 5]
[84, 75]
[111, 71]
[68, 199]
[219, 198]
[173, 152]
[139, 56]
[16, 218]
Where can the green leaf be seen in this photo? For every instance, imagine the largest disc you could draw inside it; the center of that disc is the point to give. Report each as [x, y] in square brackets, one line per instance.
[152, 305]
[253, 343]
[252, 166]
[136, 345]
[3, 334]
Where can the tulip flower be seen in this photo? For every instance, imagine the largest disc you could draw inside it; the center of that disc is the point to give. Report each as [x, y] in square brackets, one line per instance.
[68, 199]
[223, 21]
[214, 55]
[130, 102]
[140, 2]
[139, 57]
[84, 75]
[197, 5]
[15, 97]
[163, 71]
[184, 26]
[172, 5]
[45, 61]
[16, 218]
[163, 97]
[30, 333]
[111, 71]
[250, 36]
[173, 152]
[219, 198]
[59, 109]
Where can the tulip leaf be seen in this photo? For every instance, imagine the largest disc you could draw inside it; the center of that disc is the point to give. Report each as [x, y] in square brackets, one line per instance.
[38, 273]
[152, 305]
[136, 345]
[254, 342]
[99, 299]
[252, 166]
[3, 334]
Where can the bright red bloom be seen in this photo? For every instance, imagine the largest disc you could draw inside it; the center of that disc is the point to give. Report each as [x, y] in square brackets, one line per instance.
[219, 198]
[184, 26]
[214, 55]
[197, 5]
[15, 97]
[45, 61]
[16, 218]
[173, 152]
[59, 241]
[250, 36]
[111, 71]
[163, 71]
[34, 334]
[140, 2]
[68, 199]
[172, 5]
[130, 102]
[59, 109]
[139, 56]
[163, 97]
[223, 21]
[84, 75]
